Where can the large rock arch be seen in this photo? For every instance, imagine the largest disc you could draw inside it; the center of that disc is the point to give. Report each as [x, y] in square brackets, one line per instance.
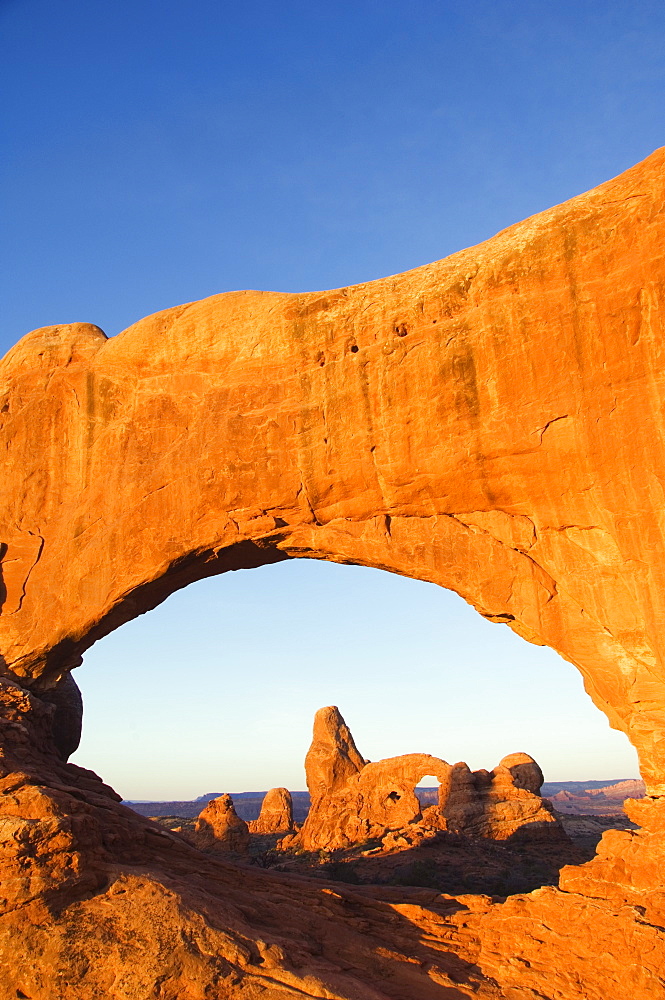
[491, 423]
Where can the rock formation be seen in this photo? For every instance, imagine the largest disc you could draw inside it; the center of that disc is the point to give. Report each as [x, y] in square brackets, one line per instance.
[333, 757]
[492, 423]
[276, 814]
[366, 800]
[219, 828]
[500, 804]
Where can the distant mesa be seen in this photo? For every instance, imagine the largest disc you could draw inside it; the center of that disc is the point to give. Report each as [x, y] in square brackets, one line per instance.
[246, 804]
[582, 798]
[604, 801]
[353, 800]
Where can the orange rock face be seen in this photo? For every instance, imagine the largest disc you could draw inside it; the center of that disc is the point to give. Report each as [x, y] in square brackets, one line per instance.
[371, 800]
[492, 423]
[333, 758]
[501, 804]
[219, 828]
[276, 814]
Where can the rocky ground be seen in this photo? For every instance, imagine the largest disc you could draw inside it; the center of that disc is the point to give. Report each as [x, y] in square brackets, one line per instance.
[444, 861]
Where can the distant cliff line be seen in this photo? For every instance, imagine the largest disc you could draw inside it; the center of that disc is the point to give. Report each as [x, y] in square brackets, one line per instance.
[599, 797]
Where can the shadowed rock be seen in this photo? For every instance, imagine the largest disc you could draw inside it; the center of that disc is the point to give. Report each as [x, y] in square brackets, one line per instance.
[499, 804]
[524, 771]
[219, 828]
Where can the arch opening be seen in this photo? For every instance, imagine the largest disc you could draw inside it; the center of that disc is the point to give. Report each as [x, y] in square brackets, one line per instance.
[416, 637]
[427, 790]
[376, 633]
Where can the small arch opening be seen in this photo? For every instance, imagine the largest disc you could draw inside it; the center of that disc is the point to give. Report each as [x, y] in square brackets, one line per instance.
[427, 791]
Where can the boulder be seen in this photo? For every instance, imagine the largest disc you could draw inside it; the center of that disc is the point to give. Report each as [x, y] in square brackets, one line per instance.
[219, 828]
[525, 772]
[276, 814]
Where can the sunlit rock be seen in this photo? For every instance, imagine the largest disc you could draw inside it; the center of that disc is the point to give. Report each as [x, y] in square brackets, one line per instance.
[276, 814]
[372, 800]
[492, 423]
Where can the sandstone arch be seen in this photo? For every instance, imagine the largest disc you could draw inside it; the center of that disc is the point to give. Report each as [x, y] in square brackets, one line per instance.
[353, 801]
[491, 422]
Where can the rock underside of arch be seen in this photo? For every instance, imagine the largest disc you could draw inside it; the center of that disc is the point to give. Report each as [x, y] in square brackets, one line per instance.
[491, 423]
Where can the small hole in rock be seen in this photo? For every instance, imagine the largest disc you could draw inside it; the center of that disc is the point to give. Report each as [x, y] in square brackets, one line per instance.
[354, 349]
[394, 796]
[427, 791]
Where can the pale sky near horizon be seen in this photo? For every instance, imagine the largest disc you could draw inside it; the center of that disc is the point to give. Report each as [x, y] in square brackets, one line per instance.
[155, 153]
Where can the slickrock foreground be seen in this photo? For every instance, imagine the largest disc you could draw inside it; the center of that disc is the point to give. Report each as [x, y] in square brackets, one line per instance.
[492, 423]
[353, 800]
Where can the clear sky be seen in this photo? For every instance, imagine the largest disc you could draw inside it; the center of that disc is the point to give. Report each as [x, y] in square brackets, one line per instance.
[158, 152]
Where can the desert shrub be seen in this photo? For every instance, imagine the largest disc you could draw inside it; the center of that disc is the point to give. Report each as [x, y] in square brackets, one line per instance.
[421, 873]
[338, 871]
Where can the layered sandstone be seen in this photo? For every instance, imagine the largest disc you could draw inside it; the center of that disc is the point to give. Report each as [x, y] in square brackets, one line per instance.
[276, 814]
[219, 828]
[353, 800]
[492, 423]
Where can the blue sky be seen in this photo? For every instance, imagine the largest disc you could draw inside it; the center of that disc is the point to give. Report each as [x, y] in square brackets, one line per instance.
[156, 153]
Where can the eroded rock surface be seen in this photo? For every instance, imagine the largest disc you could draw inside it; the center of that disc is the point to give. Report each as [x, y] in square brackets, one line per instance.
[492, 423]
[333, 757]
[365, 801]
[276, 814]
[500, 804]
[219, 828]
